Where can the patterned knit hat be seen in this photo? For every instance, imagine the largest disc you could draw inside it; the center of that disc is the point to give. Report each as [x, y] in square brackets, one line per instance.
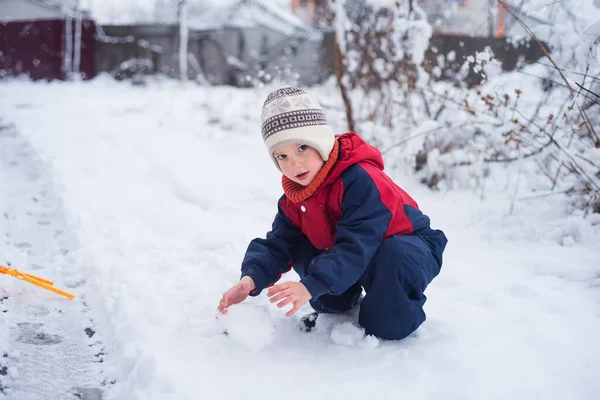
[290, 115]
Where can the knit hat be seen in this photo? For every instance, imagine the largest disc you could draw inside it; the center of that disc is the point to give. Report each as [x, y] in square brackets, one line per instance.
[290, 115]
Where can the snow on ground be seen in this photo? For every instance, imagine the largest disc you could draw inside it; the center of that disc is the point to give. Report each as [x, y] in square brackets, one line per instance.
[165, 185]
[47, 343]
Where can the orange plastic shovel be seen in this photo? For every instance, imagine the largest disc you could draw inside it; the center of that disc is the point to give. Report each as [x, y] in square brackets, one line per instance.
[36, 280]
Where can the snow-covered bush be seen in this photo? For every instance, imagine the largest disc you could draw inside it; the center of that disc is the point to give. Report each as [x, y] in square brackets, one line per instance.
[541, 122]
[381, 51]
[538, 125]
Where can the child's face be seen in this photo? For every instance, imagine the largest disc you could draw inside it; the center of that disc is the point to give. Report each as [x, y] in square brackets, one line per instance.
[299, 162]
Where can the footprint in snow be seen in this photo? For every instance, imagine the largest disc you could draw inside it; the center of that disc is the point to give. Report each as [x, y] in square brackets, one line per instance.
[37, 310]
[36, 334]
[87, 393]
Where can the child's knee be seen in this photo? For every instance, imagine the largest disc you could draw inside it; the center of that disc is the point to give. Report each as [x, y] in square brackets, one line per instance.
[392, 327]
[411, 256]
[400, 260]
[395, 283]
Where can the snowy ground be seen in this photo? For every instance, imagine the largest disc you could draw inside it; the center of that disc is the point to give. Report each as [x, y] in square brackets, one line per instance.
[47, 343]
[164, 186]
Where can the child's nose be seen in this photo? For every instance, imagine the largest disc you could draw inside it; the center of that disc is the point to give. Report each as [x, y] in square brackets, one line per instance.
[296, 163]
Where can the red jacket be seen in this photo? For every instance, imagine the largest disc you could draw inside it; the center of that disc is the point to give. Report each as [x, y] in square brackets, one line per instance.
[318, 216]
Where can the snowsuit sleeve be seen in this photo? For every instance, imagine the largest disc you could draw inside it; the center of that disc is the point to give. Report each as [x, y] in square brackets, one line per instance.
[267, 259]
[360, 232]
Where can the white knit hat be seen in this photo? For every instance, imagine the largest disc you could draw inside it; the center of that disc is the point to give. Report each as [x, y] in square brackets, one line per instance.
[290, 115]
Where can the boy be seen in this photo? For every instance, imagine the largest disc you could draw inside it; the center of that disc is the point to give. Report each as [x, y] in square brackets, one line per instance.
[342, 224]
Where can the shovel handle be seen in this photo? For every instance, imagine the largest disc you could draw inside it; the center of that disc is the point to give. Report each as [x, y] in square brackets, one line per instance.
[35, 280]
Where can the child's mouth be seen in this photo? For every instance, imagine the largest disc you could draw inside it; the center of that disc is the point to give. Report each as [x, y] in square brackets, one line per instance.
[302, 176]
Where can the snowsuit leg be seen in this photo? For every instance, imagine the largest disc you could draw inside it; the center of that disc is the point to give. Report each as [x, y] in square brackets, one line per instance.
[327, 303]
[395, 280]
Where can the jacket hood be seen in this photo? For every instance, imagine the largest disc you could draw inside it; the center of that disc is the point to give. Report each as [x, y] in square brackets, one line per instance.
[353, 149]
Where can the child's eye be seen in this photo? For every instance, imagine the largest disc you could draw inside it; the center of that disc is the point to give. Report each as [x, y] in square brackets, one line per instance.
[281, 157]
[302, 148]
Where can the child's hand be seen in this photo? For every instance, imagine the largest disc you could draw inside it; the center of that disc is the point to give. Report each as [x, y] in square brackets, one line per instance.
[238, 293]
[289, 292]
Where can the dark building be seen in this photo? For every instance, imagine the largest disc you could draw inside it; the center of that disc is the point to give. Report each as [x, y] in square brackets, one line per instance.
[35, 40]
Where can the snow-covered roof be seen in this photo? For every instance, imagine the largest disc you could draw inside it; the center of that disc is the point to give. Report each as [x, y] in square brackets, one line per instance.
[25, 10]
[46, 3]
[252, 13]
[61, 6]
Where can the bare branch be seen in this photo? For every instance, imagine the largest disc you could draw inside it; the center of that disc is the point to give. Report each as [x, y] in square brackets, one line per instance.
[340, 81]
[418, 135]
[589, 91]
[545, 51]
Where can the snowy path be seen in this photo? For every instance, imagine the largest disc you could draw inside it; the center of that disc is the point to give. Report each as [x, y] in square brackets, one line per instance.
[47, 353]
[166, 185]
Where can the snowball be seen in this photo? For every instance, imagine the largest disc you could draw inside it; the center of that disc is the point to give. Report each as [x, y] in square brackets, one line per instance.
[249, 325]
[347, 334]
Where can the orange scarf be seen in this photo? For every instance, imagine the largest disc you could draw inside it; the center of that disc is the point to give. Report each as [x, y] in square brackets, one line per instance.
[296, 192]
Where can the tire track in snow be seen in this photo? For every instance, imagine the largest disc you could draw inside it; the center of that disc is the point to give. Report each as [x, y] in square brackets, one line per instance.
[47, 344]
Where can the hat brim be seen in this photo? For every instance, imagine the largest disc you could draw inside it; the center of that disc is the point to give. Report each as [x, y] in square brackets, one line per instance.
[319, 137]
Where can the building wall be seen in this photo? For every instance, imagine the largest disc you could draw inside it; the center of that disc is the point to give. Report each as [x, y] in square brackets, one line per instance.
[450, 52]
[35, 49]
[446, 55]
[272, 52]
[157, 44]
[25, 10]
[304, 9]
[471, 18]
[224, 56]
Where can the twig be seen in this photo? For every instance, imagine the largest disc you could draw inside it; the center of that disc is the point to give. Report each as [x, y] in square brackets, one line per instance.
[512, 202]
[585, 159]
[543, 48]
[426, 103]
[516, 104]
[568, 70]
[339, 75]
[543, 103]
[544, 195]
[418, 135]
[534, 37]
[505, 106]
[541, 77]
[439, 112]
[544, 169]
[550, 80]
[408, 107]
[507, 160]
[587, 69]
[589, 91]
[556, 175]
